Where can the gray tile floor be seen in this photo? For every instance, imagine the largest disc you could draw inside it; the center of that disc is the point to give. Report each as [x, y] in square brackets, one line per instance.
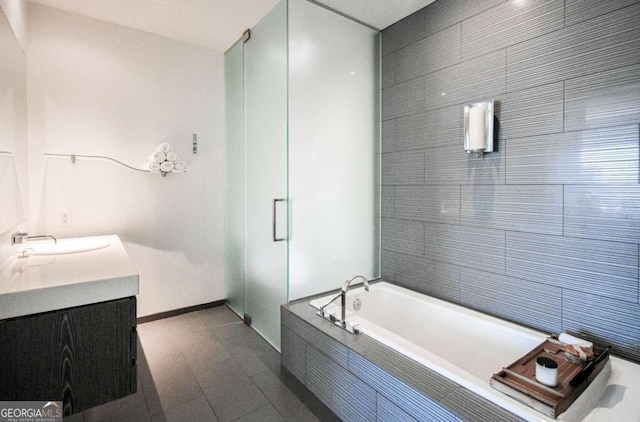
[209, 366]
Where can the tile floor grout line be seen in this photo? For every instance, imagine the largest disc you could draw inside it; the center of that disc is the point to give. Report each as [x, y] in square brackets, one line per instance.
[265, 394]
[198, 381]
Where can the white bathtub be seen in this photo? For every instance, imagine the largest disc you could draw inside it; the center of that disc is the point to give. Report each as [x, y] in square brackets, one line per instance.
[463, 345]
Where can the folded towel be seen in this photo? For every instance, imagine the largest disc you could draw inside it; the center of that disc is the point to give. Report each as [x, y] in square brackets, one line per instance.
[158, 157]
[167, 166]
[576, 350]
[569, 339]
[179, 167]
[578, 354]
[172, 156]
[164, 147]
[154, 167]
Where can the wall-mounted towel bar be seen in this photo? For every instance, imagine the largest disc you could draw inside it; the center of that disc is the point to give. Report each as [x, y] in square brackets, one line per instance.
[74, 157]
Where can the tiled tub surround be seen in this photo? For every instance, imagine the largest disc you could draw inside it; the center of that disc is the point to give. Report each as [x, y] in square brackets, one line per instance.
[545, 231]
[360, 378]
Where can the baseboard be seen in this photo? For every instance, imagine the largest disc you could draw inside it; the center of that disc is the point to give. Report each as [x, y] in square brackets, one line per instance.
[176, 312]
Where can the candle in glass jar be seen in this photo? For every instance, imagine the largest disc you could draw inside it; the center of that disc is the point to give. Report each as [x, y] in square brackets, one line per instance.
[477, 128]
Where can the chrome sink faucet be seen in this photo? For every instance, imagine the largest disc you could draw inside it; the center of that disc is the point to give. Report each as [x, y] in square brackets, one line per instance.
[343, 295]
[19, 238]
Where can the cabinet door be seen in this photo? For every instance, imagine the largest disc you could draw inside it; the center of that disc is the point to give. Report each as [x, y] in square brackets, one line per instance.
[82, 356]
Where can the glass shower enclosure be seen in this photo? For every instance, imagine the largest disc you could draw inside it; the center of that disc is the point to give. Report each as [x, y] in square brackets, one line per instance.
[302, 163]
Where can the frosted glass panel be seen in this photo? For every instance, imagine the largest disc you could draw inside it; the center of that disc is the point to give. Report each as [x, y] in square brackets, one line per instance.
[266, 171]
[234, 171]
[333, 149]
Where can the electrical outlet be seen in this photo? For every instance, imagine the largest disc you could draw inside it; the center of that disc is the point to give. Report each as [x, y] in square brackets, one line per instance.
[65, 219]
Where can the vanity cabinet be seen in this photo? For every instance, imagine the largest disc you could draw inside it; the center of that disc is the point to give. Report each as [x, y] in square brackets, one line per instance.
[83, 356]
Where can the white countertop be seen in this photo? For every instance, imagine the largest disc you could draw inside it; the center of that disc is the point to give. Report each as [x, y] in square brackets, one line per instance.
[49, 282]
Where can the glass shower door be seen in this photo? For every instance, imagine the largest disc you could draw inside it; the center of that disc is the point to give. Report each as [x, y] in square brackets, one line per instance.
[266, 220]
[303, 159]
[234, 176]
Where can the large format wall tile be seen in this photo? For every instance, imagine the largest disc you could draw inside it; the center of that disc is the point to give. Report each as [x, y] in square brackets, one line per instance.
[580, 10]
[603, 99]
[473, 409]
[404, 32]
[388, 200]
[601, 156]
[403, 168]
[535, 209]
[388, 135]
[404, 396]
[388, 71]
[403, 236]
[294, 354]
[510, 23]
[523, 301]
[597, 45]
[603, 321]
[444, 13]
[388, 271]
[451, 165]
[437, 204]
[321, 341]
[465, 246]
[603, 268]
[608, 213]
[424, 275]
[334, 385]
[403, 99]
[428, 55]
[435, 128]
[477, 79]
[533, 111]
[563, 186]
[389, 412]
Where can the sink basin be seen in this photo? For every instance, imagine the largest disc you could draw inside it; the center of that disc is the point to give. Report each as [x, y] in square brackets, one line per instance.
[65, 246]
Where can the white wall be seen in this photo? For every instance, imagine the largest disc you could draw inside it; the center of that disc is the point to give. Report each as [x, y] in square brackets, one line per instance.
[101, 89]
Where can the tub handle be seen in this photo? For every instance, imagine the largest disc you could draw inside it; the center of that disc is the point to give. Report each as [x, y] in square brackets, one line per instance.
[275, 220]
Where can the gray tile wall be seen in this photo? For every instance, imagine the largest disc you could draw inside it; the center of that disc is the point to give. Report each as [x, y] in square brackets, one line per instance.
[545, 231]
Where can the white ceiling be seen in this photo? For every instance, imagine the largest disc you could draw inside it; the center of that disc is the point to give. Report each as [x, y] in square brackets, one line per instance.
[377, 13]
[217, 24]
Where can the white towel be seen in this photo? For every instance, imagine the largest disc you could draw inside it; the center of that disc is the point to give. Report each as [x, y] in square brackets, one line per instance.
[154, 167]
[158, 157]
[164, 147]
[167, 166]
[569, 339]
[172, 156]
[179, 167]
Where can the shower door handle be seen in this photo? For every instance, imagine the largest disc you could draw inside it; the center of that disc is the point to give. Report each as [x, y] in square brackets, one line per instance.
[275, 220]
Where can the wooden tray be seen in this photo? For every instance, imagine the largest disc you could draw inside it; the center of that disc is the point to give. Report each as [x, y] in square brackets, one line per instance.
[518, 380]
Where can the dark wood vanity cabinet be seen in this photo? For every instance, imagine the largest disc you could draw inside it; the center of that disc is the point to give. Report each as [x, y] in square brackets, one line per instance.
[84, 356]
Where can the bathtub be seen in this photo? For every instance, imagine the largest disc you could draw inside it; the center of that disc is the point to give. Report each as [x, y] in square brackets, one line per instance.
[463, 345]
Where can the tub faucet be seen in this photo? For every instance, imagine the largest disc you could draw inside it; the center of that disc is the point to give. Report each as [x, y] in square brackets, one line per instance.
[343, 295]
